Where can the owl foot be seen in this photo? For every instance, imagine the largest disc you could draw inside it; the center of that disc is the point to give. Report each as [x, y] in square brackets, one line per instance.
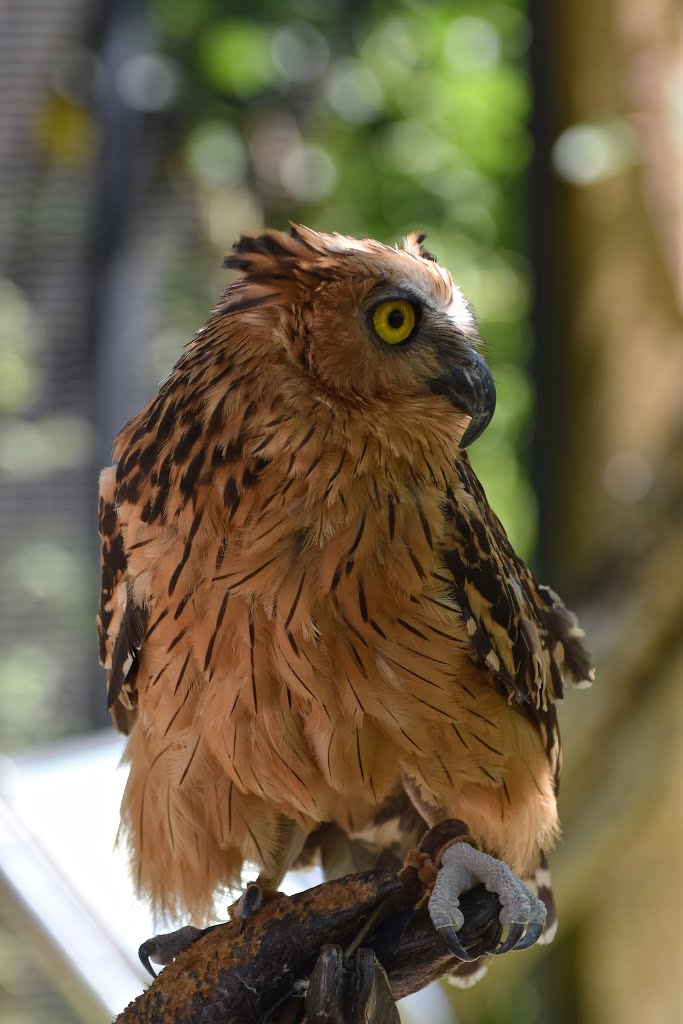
[522, 914]
[250, 901]
[164, 948]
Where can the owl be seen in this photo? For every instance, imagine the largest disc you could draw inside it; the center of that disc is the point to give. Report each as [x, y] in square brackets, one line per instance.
[316, 634]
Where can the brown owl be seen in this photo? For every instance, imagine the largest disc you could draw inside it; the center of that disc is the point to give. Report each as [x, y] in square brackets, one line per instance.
[316, 633]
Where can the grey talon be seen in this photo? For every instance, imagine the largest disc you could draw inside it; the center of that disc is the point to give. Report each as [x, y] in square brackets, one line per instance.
[533, 934]
[514, 935]
[450, 937]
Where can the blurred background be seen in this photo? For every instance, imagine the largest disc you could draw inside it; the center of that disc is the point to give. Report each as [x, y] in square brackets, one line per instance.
[540, 146]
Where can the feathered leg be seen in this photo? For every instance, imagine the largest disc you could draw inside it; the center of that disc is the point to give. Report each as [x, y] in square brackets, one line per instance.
[164, 948]
[290, 843]
[462, 867]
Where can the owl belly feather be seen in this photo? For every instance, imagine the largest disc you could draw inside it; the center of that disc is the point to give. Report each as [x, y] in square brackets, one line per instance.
[309, 695]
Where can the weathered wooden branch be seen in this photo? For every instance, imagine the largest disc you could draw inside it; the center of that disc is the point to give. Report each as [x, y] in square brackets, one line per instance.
[262, 975]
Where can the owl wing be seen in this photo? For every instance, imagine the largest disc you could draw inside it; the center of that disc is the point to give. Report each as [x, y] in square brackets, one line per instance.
[520, 631]
[120, 622]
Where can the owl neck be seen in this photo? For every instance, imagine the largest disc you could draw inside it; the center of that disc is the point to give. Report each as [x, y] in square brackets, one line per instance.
[325, 468]
[261, 455]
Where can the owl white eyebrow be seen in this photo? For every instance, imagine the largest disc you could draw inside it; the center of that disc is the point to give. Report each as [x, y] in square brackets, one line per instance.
[445, 321]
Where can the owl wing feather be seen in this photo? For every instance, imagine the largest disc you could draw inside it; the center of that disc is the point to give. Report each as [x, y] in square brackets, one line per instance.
[121, 623]
[520, 631]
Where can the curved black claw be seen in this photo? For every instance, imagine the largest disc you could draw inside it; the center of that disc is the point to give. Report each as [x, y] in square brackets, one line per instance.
[144, 954]
[533, 934]
[514, 935]
[251, 900]
[164, 948]
[450, 937]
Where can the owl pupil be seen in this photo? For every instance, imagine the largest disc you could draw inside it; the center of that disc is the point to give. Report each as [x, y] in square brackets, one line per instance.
[395, 319]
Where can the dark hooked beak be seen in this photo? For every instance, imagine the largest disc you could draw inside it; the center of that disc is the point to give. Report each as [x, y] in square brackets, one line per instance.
[469, 386]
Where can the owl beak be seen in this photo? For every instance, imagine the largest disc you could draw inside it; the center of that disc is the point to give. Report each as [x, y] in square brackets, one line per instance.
[469, 386]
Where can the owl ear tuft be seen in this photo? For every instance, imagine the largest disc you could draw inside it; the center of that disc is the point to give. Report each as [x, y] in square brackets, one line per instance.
[257, 253]
[273, 265]
[412, 243]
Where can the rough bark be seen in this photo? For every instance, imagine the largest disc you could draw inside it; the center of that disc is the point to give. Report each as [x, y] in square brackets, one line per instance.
[378, 918]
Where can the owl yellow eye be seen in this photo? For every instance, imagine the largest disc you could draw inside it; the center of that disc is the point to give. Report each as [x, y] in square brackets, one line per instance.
[394, 320]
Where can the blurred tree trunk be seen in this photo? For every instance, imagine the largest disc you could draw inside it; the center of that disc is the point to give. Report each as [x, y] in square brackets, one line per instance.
[609, 275]
[606, 187]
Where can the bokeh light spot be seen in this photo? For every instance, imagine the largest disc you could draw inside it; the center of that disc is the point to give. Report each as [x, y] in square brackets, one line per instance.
[471, 45]
[237, 57]
[627, 477]
[300, 53]
[47, 571]
[354, 93]
[149, 82]
[586, 154]
[31, 449]
[216, 154]
[308, 172]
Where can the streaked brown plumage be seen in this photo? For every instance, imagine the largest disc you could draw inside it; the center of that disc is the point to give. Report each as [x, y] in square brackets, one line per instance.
[308, 607]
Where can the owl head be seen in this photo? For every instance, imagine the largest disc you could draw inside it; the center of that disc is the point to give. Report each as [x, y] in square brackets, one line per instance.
[362, 319]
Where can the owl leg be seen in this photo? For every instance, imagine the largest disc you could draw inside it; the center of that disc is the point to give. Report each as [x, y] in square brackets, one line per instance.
[463, 867]
[164, 948]
[290, 843]
[340, 855]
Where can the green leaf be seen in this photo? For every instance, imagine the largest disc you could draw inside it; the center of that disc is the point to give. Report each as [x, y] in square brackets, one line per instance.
[236, 57]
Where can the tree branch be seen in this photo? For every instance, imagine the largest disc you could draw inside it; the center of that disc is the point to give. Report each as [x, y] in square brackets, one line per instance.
[251, 978]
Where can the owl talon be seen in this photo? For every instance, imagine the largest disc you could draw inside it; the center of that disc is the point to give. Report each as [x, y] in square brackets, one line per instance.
[514, 935]
[450, 937]
[532, 935]
[463, 867]
[164, 948]
[250, 901]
